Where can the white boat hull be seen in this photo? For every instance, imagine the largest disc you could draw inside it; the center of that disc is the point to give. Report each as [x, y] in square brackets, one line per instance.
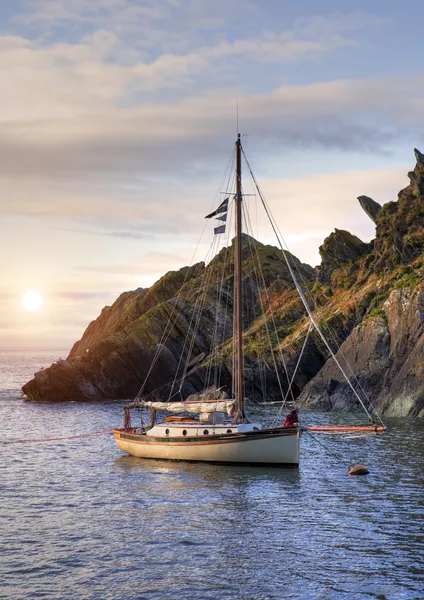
[277, 447]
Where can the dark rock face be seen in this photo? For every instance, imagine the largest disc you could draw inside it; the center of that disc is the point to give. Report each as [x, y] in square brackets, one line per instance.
[130, 306]
[338, 248]
[370, 206]
[386, 355]
[112, 319]
[419, 156]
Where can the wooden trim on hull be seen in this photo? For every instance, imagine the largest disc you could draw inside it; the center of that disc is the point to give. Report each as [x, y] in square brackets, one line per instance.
[341, 428]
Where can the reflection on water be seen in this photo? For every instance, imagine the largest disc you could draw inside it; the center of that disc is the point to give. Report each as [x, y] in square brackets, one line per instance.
[82, 520]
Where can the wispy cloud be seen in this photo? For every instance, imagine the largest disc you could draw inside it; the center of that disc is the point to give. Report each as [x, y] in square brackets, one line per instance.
[144, 267]
[346, 114]
[176, 27]
[72, 295]
[101, 71]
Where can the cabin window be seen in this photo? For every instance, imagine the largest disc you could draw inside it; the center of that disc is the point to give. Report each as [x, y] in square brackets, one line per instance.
[184, 431]
[206, 432]
[167, 431]
[229, 431]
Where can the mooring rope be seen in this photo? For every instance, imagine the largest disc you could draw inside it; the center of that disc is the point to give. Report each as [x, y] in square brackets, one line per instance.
[55, 439]
[338, 456]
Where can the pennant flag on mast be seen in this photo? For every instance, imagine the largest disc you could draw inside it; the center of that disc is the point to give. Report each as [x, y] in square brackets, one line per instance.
[223, 207]
[220, 229]
[222, 218]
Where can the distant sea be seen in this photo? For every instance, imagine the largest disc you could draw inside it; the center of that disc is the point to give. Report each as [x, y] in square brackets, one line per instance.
[79, 519]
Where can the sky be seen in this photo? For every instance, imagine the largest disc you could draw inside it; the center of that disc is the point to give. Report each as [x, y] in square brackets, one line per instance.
[118, 117]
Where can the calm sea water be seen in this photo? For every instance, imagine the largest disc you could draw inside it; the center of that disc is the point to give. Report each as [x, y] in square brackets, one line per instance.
[81, 520]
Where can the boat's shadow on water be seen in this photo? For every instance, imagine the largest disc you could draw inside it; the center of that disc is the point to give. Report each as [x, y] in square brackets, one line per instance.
[212, 473]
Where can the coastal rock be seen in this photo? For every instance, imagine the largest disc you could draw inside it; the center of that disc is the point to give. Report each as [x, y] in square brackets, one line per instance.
[131, 306]
[211, 393]
[370, 206]
[113, 357]
[367, 297]
[61, 382]
[338, 248]
[400, 227]
[384, 360]
[419, 156]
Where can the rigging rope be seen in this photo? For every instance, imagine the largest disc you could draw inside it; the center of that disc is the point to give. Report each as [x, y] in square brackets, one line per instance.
[55, 439]
[302, 296]
[218, 336]
[264, 312]
[169, 326]
[303, 430]
[330, 333]
[203, 284]
[198, 311]
[278, 416]
[282, 359]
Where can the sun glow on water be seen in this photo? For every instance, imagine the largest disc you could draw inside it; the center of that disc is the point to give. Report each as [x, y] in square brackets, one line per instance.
[32, 301]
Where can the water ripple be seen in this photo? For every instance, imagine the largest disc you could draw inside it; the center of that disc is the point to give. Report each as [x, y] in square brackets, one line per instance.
[81, 520]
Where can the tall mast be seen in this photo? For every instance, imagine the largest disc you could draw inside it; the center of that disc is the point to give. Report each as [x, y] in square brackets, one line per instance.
[238, 329]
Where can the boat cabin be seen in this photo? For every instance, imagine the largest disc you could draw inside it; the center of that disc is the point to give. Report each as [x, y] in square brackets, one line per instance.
[192, 428]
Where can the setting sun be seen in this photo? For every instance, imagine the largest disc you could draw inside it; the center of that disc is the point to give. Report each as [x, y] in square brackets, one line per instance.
[32, 301]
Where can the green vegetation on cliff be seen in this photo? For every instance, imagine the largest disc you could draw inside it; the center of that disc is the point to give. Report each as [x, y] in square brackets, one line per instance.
[355, 294]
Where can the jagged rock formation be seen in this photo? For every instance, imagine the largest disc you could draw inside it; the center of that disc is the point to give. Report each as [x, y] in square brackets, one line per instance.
[386, 354]
[111, 320]
[338, 248]
[369, 299]
[114, 355]
[370, 206]
[400, 227]
[419, 156]
[386, 348]
[130, 306]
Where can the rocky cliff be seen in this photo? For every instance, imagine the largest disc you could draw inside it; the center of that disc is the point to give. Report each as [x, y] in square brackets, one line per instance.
[384, 359]
[368, 299]
[384, 353]
[180, 313]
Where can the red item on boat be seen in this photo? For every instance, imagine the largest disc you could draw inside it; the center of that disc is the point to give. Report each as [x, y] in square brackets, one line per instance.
[291, 419]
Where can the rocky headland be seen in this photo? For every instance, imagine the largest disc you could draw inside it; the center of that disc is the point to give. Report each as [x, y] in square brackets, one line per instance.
[368, 299]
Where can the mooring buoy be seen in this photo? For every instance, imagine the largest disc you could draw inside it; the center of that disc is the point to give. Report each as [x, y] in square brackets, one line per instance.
[358, 470]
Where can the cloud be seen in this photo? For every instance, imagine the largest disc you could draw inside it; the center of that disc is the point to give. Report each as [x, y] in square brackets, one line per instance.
[94, 11]
[101, 70]
[126, 234]
[172, 26]
[307, 209]
[150, 264]
[104, 68]
[166, 138]
[114, 124]
[89, 108]
[72, 295]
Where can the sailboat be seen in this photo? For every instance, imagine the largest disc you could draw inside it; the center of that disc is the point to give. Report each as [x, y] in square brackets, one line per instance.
[209, 427]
